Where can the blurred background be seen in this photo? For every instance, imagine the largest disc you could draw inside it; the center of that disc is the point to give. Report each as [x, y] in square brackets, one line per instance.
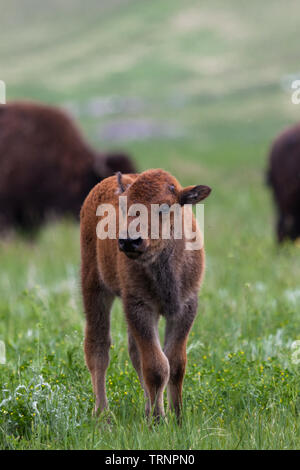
[199, 88]
[189, 85]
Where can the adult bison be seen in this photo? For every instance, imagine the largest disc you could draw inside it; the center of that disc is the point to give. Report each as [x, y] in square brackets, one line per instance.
[46, 167]
[284, 178]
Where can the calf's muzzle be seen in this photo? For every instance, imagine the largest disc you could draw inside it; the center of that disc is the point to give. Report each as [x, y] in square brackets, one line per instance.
[131, 245]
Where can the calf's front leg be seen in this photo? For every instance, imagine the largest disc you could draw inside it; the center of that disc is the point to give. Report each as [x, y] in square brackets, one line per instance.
[136, 361]
[142, 324]
[176, 335]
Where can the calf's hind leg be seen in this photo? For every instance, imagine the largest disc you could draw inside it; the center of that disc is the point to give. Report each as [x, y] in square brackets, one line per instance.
[97, 303]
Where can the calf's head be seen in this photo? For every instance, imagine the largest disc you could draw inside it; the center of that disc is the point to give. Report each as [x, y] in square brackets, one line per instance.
[149, 208]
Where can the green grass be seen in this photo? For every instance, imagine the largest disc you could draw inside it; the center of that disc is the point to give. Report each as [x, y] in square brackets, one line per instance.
[225, 66]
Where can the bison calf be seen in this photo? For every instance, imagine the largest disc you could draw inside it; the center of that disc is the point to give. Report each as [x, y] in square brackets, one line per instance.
[284, 178]
[46, 167]
[153, 276]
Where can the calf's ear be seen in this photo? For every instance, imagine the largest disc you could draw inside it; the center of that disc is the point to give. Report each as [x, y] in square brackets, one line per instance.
[193, 194]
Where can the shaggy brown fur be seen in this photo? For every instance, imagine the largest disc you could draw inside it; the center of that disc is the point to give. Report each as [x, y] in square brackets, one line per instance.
[45, 165]
[284, 178]
[152, 277]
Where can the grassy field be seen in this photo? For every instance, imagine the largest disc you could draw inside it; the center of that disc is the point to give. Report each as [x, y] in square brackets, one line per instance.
[209, 82]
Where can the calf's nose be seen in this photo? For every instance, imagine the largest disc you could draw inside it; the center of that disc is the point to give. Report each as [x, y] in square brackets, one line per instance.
[130, 244]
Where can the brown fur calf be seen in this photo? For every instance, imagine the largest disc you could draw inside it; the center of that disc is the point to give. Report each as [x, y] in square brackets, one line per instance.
[46, 167]
[284, 179]
[153, 277]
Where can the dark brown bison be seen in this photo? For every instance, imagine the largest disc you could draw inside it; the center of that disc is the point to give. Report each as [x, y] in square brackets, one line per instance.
[154, 276]
[46, 167]
[284, 178]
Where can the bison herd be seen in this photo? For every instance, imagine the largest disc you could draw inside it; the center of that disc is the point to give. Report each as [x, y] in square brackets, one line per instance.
[47, 169]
